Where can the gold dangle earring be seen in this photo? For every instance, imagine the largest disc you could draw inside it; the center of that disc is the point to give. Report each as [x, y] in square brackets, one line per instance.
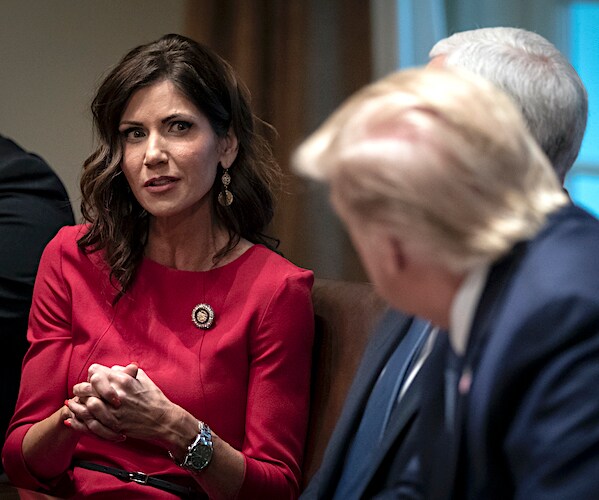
[225, 197]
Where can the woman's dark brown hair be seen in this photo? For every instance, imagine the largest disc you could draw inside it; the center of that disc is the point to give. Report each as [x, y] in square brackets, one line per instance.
[118, 225]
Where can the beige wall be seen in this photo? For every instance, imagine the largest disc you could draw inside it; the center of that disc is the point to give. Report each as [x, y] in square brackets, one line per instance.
[52, 56]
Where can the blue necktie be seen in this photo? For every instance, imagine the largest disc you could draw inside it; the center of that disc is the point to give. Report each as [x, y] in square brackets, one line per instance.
[452, 373]
[378, 409]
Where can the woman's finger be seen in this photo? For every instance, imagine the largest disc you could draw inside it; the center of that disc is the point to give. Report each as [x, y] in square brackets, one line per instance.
[104, 414]
[100, 430]
[100, 382]
[84, 390]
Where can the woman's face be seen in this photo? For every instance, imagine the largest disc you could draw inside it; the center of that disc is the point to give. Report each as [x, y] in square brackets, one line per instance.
[170, 152]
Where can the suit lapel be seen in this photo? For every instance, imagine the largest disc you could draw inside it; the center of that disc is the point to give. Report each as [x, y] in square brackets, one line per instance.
[400, 422]
[438, 455]
[449, 467]
[484, 321]
[385, 339]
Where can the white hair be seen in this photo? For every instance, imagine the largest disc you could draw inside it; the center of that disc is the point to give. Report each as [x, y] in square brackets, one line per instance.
[441, 158]
[536, 75]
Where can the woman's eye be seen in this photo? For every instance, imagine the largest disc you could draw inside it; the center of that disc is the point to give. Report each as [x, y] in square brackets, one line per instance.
[133, 133]
[180, 126]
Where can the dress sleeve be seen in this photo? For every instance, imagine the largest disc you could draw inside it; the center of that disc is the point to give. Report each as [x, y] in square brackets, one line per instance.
[278, 392]
[43, 386]
[33, 207]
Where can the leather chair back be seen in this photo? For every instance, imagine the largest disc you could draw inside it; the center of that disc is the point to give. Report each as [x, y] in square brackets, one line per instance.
[345, 314]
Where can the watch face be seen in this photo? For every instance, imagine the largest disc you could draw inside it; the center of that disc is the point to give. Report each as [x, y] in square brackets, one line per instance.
[199, 457]
[199, 452]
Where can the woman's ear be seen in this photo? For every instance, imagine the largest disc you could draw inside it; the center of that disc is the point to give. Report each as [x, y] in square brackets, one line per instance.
[229, 146]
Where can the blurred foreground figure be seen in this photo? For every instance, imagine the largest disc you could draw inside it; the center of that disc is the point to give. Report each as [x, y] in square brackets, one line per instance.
[547, 89]
[459, 218]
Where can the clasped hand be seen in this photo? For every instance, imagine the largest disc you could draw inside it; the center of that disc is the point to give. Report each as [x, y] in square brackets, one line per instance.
[118, 402]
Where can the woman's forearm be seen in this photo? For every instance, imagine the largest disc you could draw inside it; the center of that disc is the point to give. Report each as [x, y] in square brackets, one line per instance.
[223, 477]
[49, 444]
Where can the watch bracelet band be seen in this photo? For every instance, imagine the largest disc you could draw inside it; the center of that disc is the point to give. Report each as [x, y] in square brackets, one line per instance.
[204, 437]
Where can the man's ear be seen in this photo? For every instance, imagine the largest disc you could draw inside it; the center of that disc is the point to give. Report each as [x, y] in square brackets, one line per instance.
[398, 253]
[229, 147]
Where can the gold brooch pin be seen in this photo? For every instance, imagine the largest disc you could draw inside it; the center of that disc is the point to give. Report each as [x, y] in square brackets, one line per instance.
[202, 316]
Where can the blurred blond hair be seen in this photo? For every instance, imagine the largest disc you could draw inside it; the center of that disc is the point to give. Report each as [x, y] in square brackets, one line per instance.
[442, 158]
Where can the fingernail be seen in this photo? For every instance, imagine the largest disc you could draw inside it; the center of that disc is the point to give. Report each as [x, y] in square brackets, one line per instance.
[116, 402]
[122, 437]
[66, 402]
[67, 423]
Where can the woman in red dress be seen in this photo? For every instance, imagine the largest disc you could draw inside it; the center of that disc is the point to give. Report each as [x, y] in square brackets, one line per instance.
[180, 341]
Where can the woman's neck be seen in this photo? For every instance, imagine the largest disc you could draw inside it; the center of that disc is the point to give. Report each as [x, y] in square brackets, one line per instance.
[185, 245]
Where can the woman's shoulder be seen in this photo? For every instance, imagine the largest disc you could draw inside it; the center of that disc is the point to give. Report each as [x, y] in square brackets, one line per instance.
[64, 247]
[267, 274]
[275, 262]
[66, 238]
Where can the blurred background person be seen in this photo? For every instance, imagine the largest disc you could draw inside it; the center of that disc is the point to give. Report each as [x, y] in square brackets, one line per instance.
[459, 218]
[536, 75]
[166, 321]
[33, 207]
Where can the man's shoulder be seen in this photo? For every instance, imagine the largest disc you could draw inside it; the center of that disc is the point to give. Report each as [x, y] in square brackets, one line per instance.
[561, 260]
[392, 323]
[20, 169]
[568, 225]
[11, 153]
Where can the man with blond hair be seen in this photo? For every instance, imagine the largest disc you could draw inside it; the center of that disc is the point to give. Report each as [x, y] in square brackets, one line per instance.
[553, 100]
[459, 218]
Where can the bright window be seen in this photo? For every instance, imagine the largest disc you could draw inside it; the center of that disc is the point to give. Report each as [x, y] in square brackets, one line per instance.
[583, 181]
[572, 25]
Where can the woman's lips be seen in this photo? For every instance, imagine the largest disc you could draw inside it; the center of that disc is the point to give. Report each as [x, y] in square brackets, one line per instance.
[160, 184]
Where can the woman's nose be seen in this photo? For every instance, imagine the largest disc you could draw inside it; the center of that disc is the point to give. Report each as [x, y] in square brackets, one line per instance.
[156, 152]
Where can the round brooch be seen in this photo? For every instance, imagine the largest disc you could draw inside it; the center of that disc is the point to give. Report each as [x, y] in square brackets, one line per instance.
[202, 316]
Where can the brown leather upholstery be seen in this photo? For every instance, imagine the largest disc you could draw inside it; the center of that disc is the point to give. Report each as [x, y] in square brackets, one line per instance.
[345, 315]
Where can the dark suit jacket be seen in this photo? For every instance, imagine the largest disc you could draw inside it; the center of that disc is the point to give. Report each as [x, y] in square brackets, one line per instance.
[384, 475]
[33, 206]
[529, 422]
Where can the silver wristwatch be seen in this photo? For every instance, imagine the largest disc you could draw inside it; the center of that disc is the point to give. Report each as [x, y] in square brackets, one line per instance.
[199, 453]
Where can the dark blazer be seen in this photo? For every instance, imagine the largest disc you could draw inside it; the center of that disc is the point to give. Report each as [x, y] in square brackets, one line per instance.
[33, 206]
[527, 426]
[392, 457]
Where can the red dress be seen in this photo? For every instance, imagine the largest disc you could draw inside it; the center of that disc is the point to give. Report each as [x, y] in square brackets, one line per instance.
[247, 377]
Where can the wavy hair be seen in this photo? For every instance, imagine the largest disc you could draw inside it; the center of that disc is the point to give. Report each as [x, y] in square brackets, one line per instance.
[118, 225]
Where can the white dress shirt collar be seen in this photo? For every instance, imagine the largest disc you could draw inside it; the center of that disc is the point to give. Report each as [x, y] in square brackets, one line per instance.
[464, 306]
